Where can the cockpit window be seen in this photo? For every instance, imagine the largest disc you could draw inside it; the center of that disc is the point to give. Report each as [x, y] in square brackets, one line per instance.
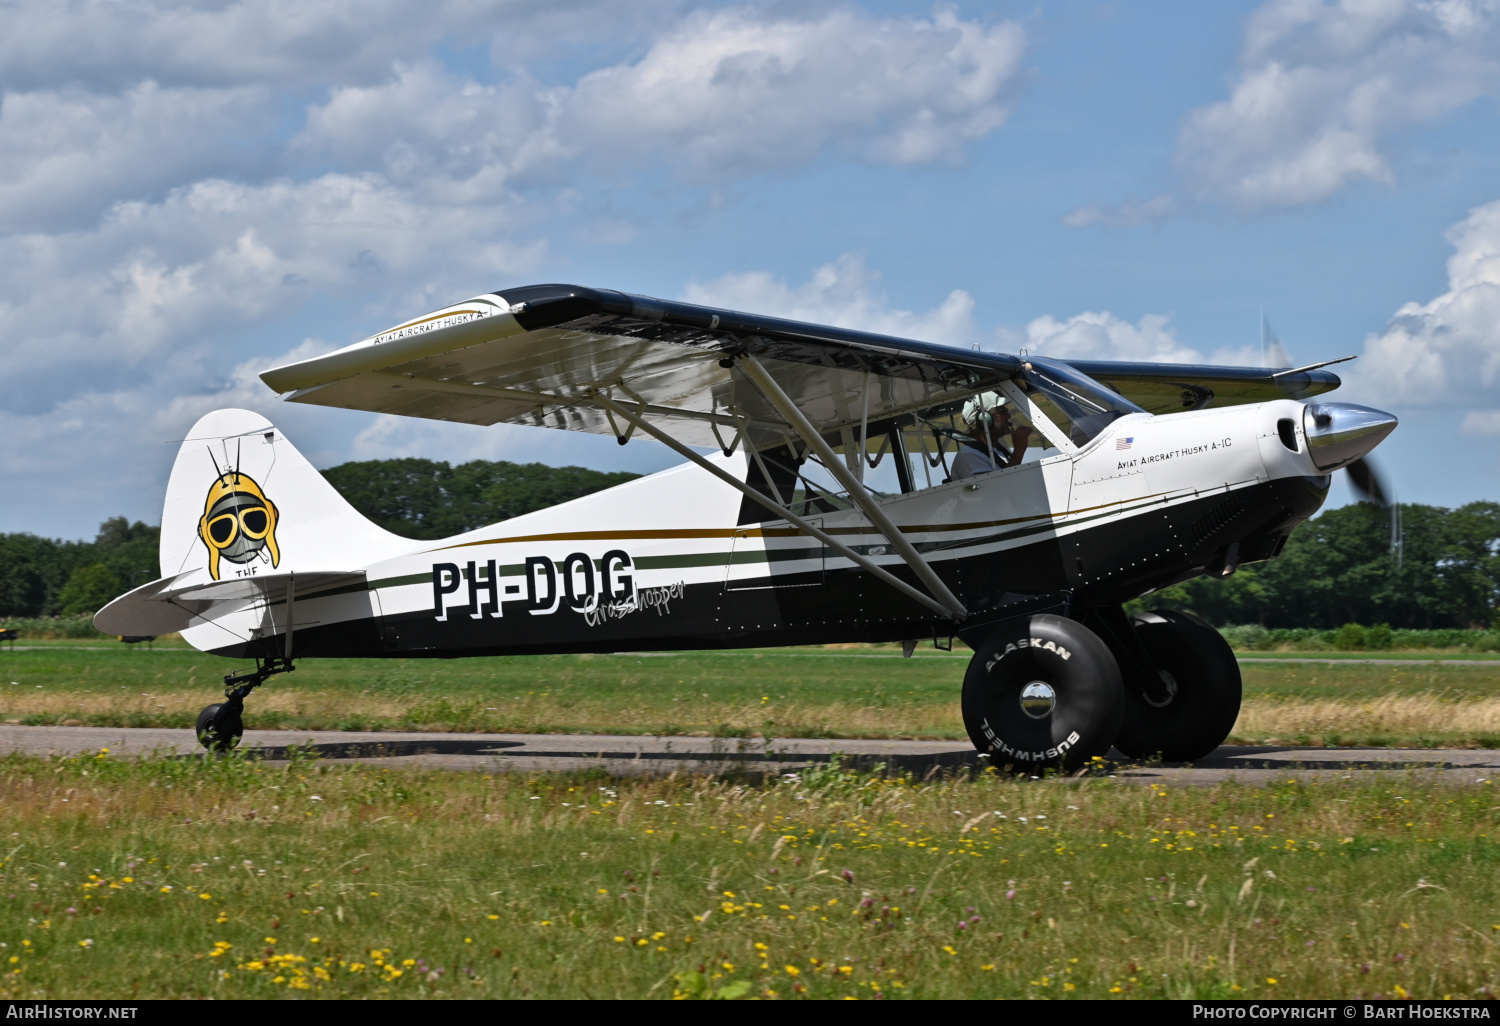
[1074, 401]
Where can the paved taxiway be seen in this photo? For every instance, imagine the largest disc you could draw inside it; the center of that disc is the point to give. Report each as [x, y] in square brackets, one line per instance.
[636, 755]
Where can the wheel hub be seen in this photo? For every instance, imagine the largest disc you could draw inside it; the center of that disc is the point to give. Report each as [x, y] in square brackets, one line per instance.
[1171, 685]
[1038, 699]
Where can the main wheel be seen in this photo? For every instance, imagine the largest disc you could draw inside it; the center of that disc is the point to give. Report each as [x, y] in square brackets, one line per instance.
[1199, 667]
[1043, 691]
[227, 737]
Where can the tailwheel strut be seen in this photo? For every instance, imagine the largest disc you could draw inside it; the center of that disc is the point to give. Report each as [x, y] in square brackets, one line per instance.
[221, 725]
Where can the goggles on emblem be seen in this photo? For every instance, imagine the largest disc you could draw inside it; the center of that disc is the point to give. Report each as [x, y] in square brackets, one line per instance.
[254, 522]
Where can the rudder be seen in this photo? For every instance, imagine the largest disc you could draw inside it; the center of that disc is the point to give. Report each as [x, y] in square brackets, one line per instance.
[242, 501]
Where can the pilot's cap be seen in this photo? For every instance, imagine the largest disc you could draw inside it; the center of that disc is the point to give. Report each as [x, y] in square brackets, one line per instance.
[980, 409]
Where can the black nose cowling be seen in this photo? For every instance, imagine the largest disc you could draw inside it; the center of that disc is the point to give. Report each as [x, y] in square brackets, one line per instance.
[1340, 433]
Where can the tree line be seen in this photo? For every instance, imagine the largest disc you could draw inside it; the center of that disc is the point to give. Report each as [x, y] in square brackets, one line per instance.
[1339, 569]
[48, 577]
[1336, 569]
[428, 499]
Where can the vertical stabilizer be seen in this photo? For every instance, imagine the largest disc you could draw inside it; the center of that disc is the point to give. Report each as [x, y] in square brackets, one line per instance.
[242, 502]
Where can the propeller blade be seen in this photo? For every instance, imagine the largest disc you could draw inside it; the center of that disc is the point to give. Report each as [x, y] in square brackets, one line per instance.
[1368, 483]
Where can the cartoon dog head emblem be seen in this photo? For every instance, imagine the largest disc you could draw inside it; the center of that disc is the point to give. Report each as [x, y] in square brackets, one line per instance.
[238, 523]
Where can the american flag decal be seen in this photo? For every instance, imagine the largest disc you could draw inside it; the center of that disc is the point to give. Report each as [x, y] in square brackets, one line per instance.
[1123, 443]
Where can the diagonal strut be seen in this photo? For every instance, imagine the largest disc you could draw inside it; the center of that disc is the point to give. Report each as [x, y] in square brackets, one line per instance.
[862, 498]
[780, 510]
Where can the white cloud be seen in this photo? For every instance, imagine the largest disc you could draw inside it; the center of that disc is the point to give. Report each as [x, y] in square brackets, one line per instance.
[1322, 88]
[1446, 352]
[428, 128]
[160, 282]
[1482, 422]
[113, 43]
[128, 246]
[117, 445]
[844, 293]
[1103, 336]
[241, 389]
[734, 89]
[723, 93]
[66, 156]
[1120, 215]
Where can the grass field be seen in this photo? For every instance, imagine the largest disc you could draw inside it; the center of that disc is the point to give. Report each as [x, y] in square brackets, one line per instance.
[855, 691]
[222, 878]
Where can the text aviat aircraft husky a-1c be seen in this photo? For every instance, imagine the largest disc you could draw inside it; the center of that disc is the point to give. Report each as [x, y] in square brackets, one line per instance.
[832, 510]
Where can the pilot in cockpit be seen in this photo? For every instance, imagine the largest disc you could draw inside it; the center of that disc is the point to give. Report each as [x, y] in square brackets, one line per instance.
[989, 421]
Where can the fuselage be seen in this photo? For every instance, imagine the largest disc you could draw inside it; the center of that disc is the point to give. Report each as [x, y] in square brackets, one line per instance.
[670, 561]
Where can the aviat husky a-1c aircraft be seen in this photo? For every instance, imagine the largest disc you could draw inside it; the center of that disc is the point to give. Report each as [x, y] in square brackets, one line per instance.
[842, 504]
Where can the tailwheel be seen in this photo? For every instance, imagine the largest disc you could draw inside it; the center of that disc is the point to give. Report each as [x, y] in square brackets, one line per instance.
[221, 725]
[1043, 692]
[220, 729]
[1201, 700]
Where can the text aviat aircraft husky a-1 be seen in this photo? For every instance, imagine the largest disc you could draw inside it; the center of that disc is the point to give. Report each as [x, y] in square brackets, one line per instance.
[832, 511]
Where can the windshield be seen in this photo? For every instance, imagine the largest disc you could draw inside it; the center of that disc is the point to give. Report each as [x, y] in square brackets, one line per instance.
[1074, 401]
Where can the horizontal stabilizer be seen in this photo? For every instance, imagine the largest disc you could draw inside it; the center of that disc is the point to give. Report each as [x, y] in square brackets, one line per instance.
[167, 606]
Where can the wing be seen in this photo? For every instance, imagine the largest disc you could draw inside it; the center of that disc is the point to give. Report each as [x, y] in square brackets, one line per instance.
[541, 355]
[537, 355]
[1174, 387]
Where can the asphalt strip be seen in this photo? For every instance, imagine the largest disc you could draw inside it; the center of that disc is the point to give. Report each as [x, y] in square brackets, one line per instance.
[641, 755]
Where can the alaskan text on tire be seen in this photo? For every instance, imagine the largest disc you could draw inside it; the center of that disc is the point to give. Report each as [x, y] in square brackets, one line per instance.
[1042, 691]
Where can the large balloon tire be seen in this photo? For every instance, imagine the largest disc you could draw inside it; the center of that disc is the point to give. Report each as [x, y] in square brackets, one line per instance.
[226, 738]
[1208, 686]
[1049, 655]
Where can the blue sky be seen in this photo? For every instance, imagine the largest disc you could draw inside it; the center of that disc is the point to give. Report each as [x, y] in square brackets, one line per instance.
[190, 193]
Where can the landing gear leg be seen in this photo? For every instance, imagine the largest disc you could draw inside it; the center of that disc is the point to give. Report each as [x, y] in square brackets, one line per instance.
[221, 725]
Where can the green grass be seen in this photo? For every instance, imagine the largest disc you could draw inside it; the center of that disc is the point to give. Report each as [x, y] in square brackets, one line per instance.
[124, 879]
[1363, 682]
[857, 691]
[799, 692]
[1425, 655]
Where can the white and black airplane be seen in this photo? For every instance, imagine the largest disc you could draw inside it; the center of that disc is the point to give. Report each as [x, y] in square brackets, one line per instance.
[859, 488]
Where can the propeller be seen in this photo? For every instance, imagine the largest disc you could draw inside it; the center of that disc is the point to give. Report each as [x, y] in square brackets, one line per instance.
[1367, 482]
[1340, 434]
[1369, 485]
[1339, 437]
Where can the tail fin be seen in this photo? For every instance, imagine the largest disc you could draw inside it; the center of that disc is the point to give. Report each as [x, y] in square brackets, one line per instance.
[243, 502]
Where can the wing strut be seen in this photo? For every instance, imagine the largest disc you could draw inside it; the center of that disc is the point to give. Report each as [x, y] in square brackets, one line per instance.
[777, 508]
[863, 499]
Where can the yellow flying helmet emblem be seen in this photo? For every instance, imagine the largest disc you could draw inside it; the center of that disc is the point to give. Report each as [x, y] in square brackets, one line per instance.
[238, 522]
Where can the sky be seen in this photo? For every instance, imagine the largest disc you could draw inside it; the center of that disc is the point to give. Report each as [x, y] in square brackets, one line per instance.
[193, 192]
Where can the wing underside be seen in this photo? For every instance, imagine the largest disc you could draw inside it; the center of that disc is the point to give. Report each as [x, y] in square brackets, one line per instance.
[543, 355]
